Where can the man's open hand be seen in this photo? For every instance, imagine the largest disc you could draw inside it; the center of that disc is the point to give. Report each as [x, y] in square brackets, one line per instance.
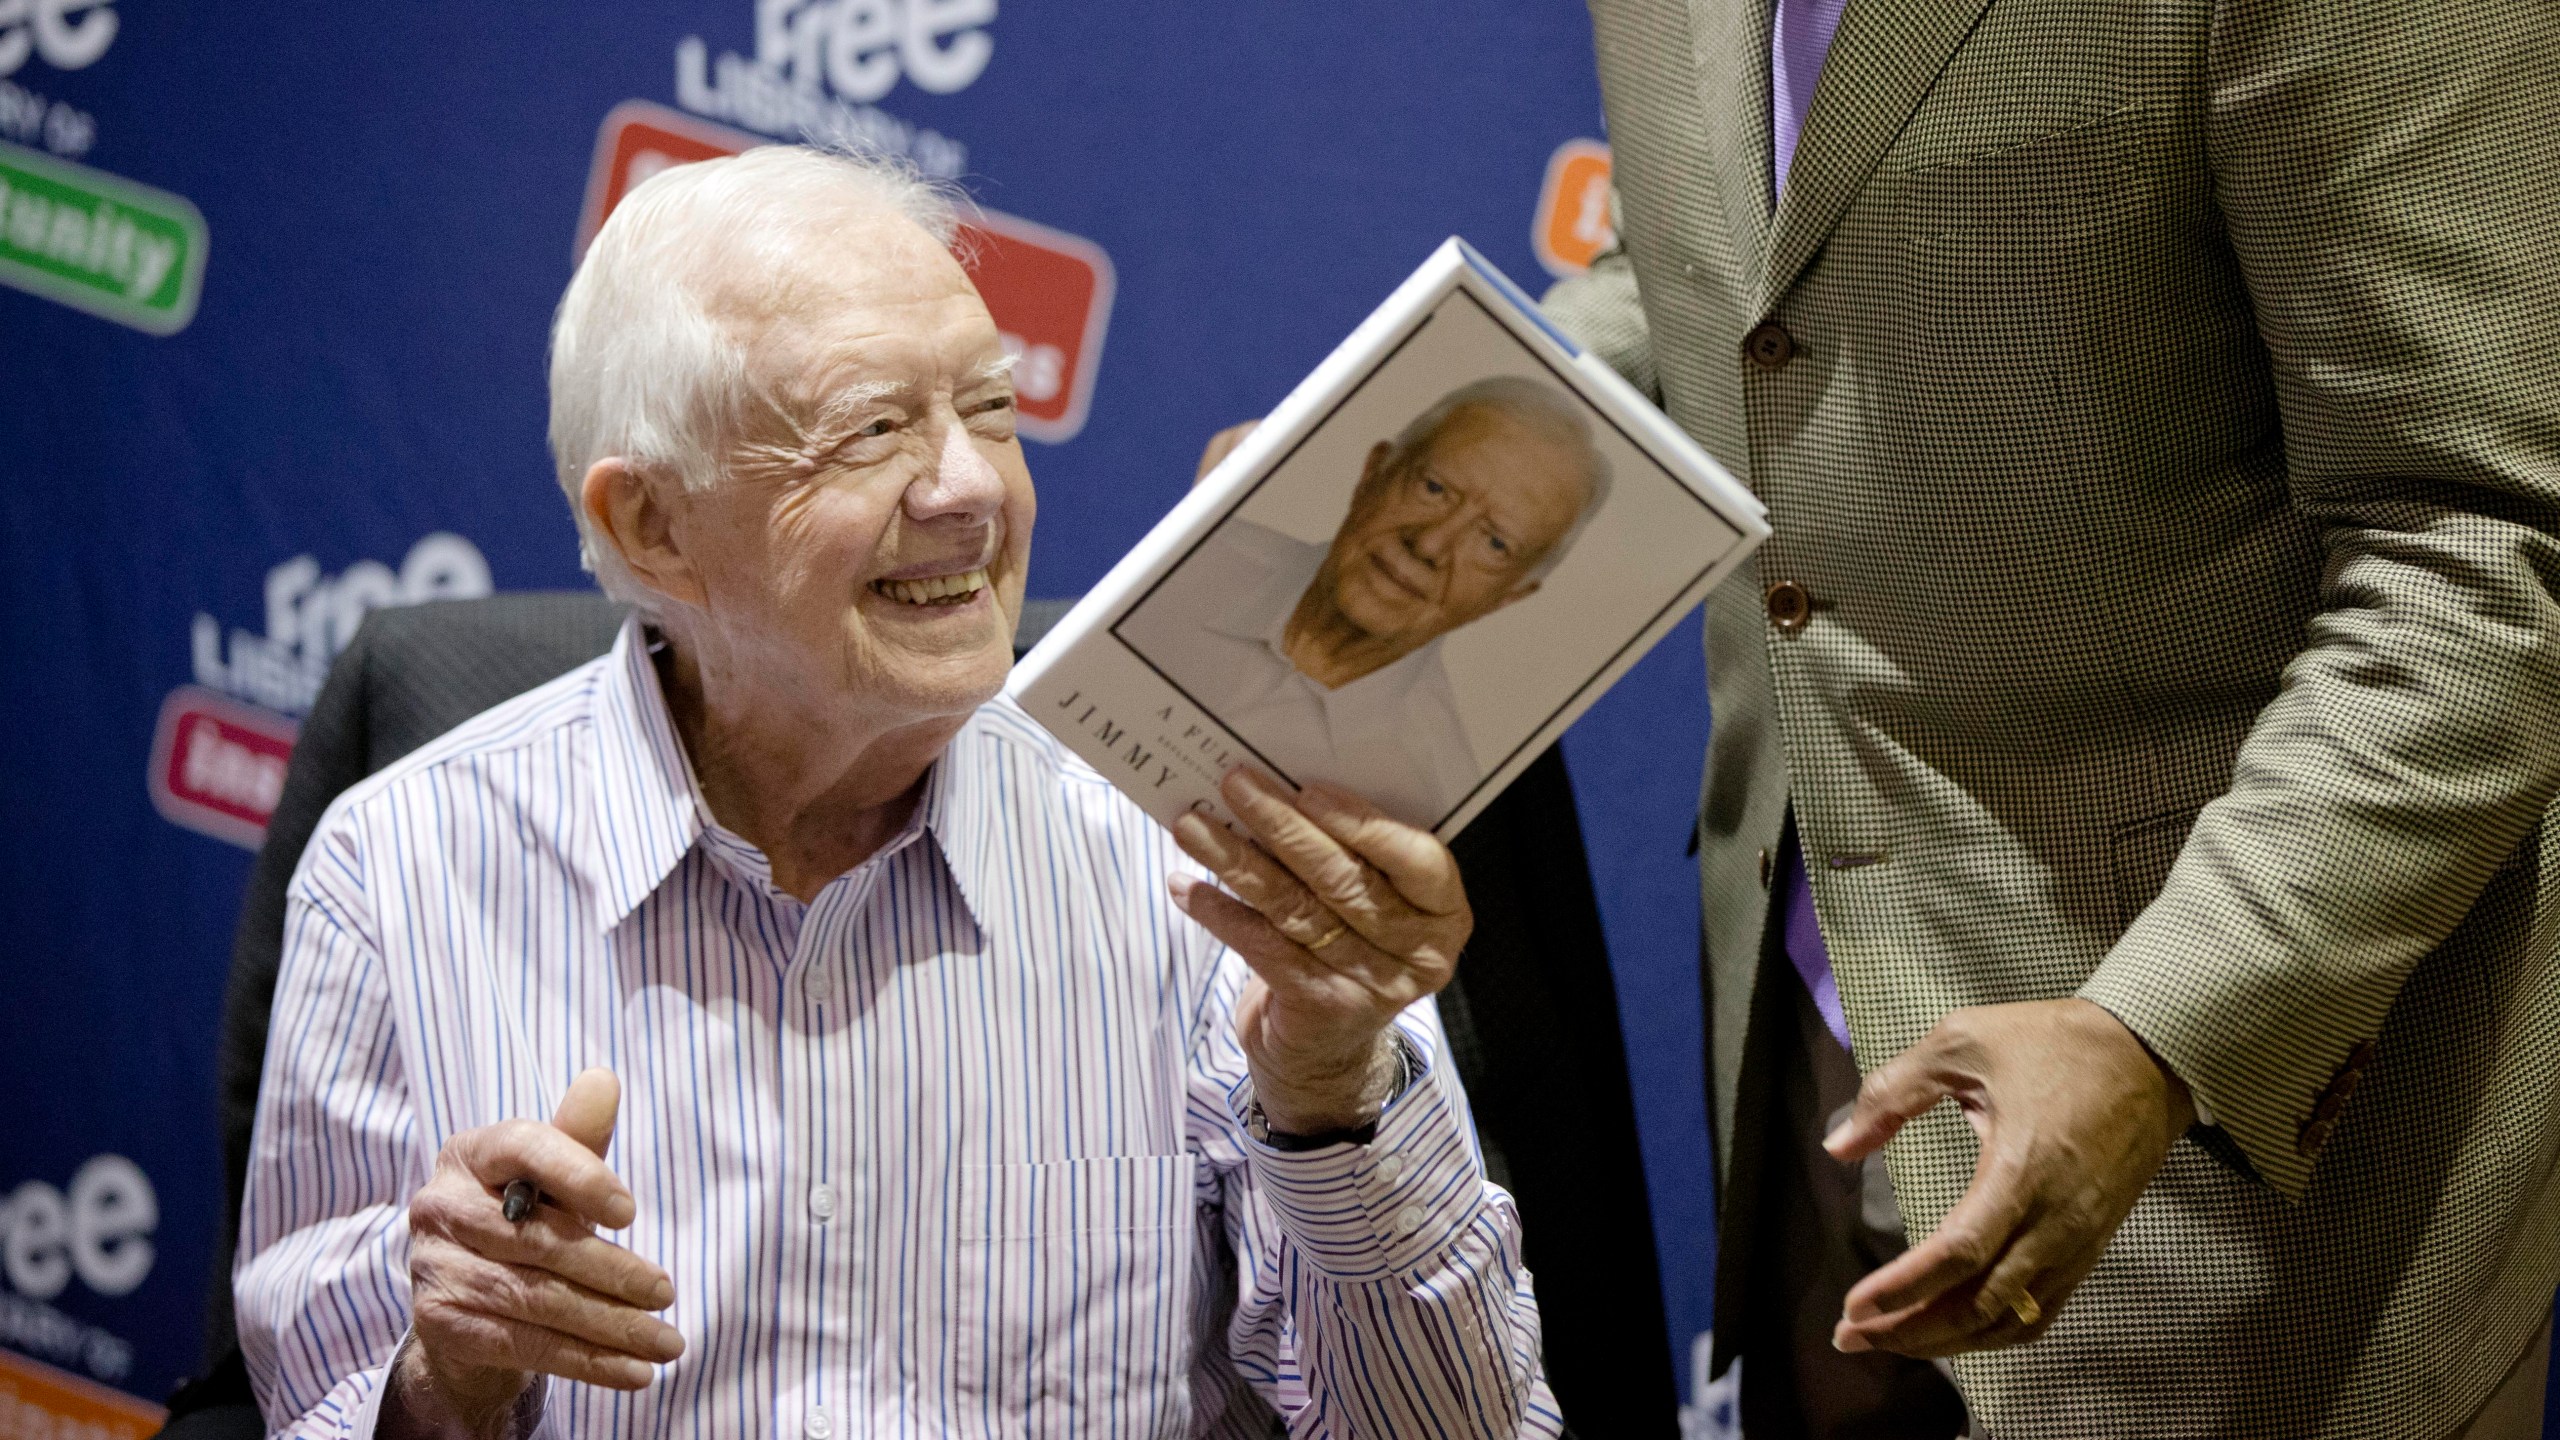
[493, 1304]
[1346, 917]
[2075, 1117]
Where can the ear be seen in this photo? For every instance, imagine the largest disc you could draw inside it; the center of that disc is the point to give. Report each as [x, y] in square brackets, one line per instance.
[1376, 464]
[627, 507]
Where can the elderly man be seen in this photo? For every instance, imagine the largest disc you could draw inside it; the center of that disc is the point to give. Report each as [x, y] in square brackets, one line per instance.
[1326, 658]
[932, 1118]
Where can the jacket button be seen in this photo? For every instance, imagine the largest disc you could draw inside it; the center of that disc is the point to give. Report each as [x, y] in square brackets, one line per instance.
[1790, 605]
[1764, 869]
[2314, 1135]
[1769, 346]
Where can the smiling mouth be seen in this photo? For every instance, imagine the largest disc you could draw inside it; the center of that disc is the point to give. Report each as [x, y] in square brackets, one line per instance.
[936, 590]
[1388, 572]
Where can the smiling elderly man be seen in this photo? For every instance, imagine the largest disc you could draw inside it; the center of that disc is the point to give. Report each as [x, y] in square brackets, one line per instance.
[1326, 657]
[932, 1117]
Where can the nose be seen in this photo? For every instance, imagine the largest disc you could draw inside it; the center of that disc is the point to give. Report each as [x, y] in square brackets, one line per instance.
[1434, 542]
[964, 485]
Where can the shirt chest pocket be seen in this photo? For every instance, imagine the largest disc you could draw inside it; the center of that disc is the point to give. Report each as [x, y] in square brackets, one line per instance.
[1073, 1291]
[2026, 189]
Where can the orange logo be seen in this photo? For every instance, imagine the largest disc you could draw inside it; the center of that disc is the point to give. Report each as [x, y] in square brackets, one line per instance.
[39, 1401]
[1575, 220]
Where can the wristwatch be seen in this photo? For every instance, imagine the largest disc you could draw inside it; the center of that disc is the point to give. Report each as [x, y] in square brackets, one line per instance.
[1258, 1125]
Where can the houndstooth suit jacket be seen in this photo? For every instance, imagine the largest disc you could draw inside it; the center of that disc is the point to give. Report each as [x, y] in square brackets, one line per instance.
[2170, 450]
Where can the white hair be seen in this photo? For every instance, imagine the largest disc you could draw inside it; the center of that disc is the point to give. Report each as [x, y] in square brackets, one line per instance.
[640, 368]
[1539, 409]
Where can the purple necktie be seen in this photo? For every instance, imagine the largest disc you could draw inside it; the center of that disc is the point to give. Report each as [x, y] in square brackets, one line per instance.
[1803, 937]
[1798, 41]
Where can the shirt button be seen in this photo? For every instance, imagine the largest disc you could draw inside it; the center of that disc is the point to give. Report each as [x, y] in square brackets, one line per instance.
[1408, 1219]
[818, 986]
[817, 1426]
[1790, 605]
[1765, 867]
[822, 1203]
[1389, 1167]
[1769, 346]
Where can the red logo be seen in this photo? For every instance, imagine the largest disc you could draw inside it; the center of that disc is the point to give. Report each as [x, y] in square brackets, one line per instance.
[1575, 222]
[217, 766]
[1050, 292]
[638, 140]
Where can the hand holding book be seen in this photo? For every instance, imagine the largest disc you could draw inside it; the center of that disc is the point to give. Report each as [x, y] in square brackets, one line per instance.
[1346, 916]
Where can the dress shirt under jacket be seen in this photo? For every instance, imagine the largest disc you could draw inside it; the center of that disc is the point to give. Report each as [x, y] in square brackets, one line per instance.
[955, 1149]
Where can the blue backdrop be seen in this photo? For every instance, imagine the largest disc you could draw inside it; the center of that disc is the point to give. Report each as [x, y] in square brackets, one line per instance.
[390, 196]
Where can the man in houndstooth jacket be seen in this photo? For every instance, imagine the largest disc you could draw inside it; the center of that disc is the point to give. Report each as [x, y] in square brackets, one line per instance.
[2157, 669]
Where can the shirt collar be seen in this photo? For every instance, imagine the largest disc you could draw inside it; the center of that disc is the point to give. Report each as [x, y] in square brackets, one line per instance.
[1260, 612]
[963, 810]
[651, 812]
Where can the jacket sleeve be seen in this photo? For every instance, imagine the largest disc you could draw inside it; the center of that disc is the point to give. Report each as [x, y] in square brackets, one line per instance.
[1601, 309]
[2385, 173]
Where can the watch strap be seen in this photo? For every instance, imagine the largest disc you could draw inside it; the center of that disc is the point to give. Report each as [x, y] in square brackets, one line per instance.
[1258, 1124]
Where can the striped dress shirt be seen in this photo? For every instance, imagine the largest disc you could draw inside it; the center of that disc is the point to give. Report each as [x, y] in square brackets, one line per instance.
[955, 1149]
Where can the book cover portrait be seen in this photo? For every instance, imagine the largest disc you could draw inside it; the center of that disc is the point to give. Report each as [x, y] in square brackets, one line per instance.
[1444, 564]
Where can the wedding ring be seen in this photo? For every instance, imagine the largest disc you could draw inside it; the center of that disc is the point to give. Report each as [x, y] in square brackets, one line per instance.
[2026, 1309]
[1328, 937]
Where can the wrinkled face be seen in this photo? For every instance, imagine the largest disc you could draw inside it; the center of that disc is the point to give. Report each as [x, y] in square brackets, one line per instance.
[1455, 530]
[869, 542]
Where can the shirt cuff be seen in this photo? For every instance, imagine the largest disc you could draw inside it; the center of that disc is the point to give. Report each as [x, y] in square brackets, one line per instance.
[1364, 1213]
[364, 1422]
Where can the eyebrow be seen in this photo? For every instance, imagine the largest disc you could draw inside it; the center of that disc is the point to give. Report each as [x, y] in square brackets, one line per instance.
[847, 398]
[996, 369]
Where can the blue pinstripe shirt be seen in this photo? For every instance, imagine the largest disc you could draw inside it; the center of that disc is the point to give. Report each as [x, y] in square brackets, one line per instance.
[954, 1149]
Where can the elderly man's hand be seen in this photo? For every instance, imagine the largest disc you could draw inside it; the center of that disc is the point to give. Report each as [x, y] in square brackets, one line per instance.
[1346, 917]
[494, 1303]
[2075, 1117]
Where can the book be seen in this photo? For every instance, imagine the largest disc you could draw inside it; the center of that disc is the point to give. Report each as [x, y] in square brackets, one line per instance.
[1422, 566]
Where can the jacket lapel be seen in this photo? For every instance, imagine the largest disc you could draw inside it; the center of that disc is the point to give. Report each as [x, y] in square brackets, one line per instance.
[1882, 62]
[1729, 49]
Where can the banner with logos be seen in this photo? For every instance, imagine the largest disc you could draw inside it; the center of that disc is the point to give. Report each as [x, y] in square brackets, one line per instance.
[274, 288]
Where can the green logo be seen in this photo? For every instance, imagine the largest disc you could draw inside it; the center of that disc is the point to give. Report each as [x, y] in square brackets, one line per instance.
[118, 250]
